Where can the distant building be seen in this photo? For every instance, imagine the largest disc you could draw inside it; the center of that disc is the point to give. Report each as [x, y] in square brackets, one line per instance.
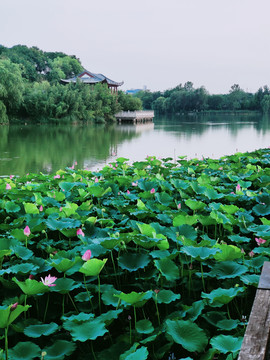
[135, 91]
[90, 78]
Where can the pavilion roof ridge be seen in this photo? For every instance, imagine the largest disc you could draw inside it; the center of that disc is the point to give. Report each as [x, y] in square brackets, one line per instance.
[92, 79]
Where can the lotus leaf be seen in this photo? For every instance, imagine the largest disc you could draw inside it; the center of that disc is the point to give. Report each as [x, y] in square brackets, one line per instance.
[36, 331]
[93, 267]
[187, 334]
[25, 351]
[59, 350]
[226, 343]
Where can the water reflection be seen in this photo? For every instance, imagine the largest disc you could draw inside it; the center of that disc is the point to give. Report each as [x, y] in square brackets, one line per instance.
[47, 148]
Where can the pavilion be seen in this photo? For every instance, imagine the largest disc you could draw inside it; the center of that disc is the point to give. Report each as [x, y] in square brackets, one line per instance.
[90, 78]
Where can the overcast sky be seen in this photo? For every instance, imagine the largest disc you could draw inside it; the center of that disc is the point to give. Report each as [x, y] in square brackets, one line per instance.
[156, 43]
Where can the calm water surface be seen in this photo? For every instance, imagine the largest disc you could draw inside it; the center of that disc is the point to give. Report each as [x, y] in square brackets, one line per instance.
[47, 148]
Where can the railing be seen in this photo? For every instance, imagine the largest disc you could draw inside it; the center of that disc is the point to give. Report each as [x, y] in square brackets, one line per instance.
[139, 114]
[255, 344]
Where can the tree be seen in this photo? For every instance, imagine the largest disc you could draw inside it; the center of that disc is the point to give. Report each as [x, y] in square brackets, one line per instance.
[11, 87]
[265, 104]
[129, 102]
[63, 67]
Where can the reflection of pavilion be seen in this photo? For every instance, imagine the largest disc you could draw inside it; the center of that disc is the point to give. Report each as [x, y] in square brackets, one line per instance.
[91, 79]
[137, 128]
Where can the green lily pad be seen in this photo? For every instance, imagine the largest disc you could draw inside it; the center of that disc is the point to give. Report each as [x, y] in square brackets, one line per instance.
[219, 297]
[195, 204]
[167, 268]
[31, 286]
[226, 343]
[89, 330]
[166, 296]
[36, 331]
[144, 326]
[199, 253]
[187, 334]
[133, 261]
[135, 354]
[228, 270]
[93, 267]
[59, 350]
[8, 314]
[11, 207]
[63, 264]
[133, 297]
[228, 252]
[25, 351]
[65, 285]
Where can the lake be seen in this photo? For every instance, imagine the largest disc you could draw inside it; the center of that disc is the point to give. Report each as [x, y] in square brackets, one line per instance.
[47, 148]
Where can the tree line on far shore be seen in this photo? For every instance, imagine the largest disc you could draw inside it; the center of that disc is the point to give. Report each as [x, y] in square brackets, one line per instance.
[186, 98]
[30, 88]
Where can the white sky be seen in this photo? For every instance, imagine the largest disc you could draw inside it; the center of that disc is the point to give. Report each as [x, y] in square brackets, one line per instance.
[157, 43]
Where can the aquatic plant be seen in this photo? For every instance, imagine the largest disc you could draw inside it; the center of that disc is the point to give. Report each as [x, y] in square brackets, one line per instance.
[155, 259]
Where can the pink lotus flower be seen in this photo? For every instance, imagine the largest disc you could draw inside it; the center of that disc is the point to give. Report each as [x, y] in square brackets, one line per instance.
[60, 209]
[96, 180]
[251, 253]
[41, 208]
[238, 187]
[27, 231]
[128, 192]
[13, 306]
[31, 277]
[11, 177]
[75, 163]
[49, 280]
[179, 206]
[80, 232]
[57, 176]
[134, 183]
[260, 241]
[152, 191]
[8, 187]
[87, 255]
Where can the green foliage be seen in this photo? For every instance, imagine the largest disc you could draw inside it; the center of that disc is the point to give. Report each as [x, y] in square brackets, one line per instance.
[129, 102]
[42, 96]
[185, 98]
[11, 88]
[160, 281]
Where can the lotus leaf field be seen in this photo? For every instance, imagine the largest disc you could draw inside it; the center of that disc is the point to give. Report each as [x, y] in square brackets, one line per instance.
[159, 259]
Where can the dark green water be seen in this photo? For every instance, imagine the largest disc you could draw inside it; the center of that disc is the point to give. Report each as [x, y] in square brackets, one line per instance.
[46, 148]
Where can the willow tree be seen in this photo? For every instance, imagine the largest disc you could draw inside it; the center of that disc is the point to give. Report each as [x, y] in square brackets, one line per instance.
[11, 88]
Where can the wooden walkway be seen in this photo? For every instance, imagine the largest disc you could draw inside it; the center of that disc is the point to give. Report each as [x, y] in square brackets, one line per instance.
[255, 345]
[139, 116]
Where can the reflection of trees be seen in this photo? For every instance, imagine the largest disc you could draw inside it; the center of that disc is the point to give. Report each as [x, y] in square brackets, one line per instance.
[197, 124]
[47, 148]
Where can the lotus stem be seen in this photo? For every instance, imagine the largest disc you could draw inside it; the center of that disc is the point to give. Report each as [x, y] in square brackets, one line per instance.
[135, 318]
[46, 308]
[99, 305]
[92, 349]
[203, 283]
[114, 269]
[157, 309]
[75, 307]
[63, 305]
[6, 342]
[89, 296]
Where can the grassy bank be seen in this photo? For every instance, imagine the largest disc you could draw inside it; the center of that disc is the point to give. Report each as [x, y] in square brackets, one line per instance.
[154, 260]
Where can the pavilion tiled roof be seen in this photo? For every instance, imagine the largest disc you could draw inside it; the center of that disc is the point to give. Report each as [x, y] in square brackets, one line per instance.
[88, 77]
